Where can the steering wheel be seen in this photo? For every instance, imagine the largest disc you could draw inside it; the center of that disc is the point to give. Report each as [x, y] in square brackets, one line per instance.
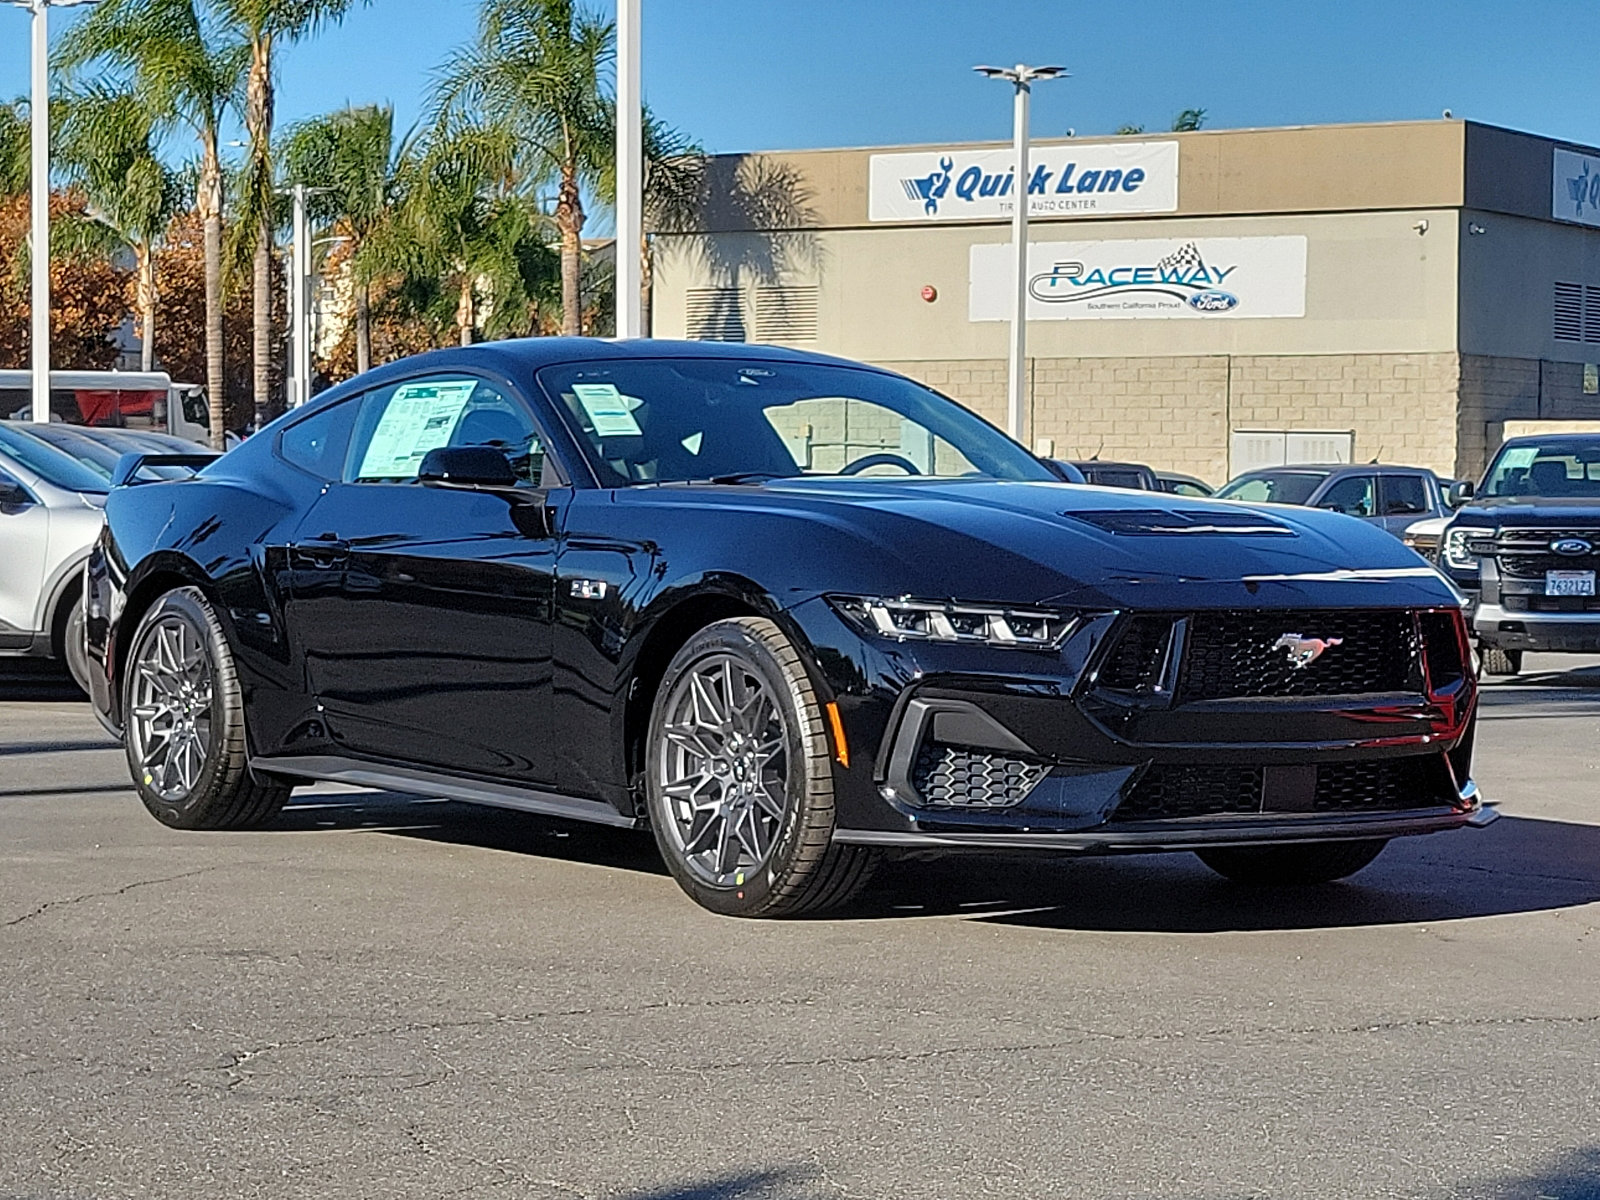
[880, 460]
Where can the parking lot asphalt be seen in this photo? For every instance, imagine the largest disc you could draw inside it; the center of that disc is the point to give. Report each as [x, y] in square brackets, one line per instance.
[390, 997]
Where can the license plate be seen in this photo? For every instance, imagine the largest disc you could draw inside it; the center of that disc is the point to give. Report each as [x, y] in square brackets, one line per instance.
[1569, 583]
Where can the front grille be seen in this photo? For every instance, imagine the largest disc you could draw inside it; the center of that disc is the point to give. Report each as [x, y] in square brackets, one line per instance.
[1533, 566]
[960, 777]
[1238, 654]
[1387, 785]
[1164, 792]
[1524, 553]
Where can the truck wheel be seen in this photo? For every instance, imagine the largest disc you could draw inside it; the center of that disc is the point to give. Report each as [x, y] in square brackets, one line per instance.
[1292, 866]
[1499, 662]
[185, 737]
[739, 778]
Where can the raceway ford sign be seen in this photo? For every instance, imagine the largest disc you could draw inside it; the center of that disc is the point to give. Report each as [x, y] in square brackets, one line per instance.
[1125, 279]
[1077, 179]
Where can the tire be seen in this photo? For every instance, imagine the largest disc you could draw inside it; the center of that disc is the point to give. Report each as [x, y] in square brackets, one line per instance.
[1292, 866]
[741, 796]
[184, 718]
[74, 644]
[1499, 662]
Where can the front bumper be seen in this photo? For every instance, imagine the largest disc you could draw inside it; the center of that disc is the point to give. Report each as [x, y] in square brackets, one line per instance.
[1567, 632]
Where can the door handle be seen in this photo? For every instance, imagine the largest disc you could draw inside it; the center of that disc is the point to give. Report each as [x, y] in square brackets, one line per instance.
[325, 551]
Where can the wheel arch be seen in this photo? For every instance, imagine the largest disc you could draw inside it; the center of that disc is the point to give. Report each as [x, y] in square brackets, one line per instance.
[64, 590]
[160, 575]
[668, 630]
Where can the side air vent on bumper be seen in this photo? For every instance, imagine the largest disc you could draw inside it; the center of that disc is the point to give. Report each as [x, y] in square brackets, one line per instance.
[965, 777]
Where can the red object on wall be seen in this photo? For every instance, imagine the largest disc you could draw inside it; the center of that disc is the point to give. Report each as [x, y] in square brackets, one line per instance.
[930, 293]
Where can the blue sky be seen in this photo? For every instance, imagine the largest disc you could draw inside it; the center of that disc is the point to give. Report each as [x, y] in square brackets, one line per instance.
[758, 74]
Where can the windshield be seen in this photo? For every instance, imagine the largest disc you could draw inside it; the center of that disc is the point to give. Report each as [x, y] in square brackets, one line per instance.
[53, 466]
[1546, 469]
[672, 420]
[1273, 487]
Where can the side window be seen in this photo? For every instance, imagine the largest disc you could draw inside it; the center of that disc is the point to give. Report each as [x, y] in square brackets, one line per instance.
[13, 491]
[398, 425]
[319, 443]
[1352, 496]
[1404, 495]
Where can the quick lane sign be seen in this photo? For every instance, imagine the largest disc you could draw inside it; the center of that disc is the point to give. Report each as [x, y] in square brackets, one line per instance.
[1071, 180]
[1187, 278]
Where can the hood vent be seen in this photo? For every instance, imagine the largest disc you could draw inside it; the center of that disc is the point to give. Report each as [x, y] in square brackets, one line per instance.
[1163, 522]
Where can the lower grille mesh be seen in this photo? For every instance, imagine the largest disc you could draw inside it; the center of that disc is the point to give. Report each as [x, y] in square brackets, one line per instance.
[1164, 792]
[959, 777]
[1389, 785]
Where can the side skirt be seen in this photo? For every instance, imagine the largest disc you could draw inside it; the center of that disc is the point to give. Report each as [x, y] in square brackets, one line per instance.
[359, 773]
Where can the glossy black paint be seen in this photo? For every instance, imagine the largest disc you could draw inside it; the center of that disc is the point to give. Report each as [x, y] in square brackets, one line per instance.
[518, 638]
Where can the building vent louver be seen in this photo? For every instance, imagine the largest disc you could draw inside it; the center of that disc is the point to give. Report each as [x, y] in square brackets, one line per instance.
[786, 313]
[715, 315]
[1568, 325]
[1591, 314]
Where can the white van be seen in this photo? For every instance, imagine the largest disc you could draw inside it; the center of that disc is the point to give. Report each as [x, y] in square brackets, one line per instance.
[119, 399]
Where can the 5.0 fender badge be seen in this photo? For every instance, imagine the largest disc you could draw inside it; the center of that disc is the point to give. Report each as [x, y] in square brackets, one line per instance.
[1304, 651]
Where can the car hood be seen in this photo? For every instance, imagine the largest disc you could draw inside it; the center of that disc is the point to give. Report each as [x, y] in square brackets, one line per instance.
[1529, 510]
[1075, 545]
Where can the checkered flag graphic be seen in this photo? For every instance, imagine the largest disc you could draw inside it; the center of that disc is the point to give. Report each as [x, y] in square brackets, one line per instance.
[1185, 256]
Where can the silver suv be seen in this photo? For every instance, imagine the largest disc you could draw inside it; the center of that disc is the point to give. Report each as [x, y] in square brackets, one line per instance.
[50, 514]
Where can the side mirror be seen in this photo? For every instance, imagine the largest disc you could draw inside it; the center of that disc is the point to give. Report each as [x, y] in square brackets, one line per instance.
[1458, 493]
[13, 494]
[466, 467]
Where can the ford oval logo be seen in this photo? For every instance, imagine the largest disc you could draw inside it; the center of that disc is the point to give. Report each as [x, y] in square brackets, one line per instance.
[1213, 301]
[1572, 547]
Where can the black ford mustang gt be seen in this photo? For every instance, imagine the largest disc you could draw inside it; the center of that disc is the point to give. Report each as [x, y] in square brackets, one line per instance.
[787, 611]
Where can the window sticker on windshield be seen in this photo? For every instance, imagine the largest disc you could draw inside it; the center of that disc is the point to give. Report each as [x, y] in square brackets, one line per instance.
[607, 409]
[419, 417]
[1518, 457]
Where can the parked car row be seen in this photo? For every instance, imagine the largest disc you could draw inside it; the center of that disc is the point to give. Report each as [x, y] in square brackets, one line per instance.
[53, 484]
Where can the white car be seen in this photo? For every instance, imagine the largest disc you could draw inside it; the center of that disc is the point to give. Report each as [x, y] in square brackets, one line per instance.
[51, 510]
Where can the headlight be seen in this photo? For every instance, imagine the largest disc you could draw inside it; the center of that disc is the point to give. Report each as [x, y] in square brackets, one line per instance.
[935, 621]
[1463, 546]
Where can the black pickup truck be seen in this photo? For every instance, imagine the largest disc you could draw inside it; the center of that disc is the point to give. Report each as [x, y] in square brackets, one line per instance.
[1526, 548]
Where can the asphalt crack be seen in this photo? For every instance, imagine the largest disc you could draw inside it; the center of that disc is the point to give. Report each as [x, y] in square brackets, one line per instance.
[51, 905]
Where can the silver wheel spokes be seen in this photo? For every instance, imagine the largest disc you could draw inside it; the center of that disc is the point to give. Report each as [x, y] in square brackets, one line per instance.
[724, 770]
[170, 716]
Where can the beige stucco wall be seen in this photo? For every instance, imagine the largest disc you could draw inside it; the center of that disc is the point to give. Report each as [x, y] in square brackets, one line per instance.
[1373, 286]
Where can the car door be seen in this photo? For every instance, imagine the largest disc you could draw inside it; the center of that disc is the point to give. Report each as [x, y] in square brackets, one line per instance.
[1353, 495]
[24, 547]
[424, 612]
[1404, 499]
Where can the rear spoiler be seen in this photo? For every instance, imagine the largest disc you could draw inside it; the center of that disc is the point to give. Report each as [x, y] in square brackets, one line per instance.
[129, 466]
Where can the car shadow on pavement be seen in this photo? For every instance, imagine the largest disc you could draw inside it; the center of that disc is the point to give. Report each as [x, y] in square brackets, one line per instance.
[38, 682]
[1517, 864]
[1574, 1175]
[500, 829]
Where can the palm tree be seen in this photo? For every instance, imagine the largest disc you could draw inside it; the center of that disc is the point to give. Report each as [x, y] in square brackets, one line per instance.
[182, 70]
[350, 157]
[461, 241]
[14, 138]
[262, 25]
[535, 71]
[108, 147]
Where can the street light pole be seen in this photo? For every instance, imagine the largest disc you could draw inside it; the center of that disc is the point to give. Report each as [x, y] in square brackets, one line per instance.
[630, 173]
[299, 308]
[1020, 77]
[39, 190]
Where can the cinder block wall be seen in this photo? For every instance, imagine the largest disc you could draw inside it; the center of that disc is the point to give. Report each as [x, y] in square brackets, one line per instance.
[1177, 413]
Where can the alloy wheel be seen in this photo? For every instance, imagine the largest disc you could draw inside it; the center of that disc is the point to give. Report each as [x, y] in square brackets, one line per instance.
[170, 714]
[723, 768]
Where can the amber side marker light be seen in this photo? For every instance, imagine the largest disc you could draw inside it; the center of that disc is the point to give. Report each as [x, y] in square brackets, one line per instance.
[841, 747]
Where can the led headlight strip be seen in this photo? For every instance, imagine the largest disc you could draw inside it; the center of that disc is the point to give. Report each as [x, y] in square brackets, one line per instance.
[1462, 547]
[937, 621]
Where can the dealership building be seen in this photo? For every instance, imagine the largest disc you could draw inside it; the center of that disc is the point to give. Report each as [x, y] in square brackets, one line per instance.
[1205, 302]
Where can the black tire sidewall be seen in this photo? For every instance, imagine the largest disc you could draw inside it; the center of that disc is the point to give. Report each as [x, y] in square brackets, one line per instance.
[74, 651]
[193, 811]
[752, 898]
